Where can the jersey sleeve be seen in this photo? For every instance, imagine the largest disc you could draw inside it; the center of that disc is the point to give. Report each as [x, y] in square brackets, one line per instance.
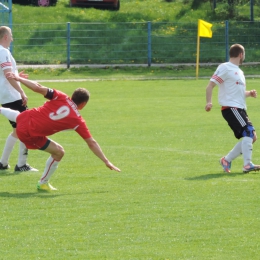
[49, 94]
[83, 130]
[5, 61]
[54, 94]
[219, 75]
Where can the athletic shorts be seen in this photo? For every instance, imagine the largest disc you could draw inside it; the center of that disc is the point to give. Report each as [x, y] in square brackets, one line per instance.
[16, 105]
[23, 133]
[238, 121]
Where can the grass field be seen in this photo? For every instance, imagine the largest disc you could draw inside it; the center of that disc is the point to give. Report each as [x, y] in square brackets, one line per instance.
[126, 73]
[171, 200]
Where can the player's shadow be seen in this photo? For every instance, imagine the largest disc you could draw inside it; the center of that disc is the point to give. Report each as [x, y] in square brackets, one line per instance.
[7, 173]
[45, 195]
[214, 176]
[42, 194]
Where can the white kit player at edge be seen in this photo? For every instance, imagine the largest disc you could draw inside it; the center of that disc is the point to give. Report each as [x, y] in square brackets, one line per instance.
[232, 98]
[11, 96]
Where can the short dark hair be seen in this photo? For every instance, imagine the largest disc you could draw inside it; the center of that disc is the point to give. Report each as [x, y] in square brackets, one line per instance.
[235, 50]
[4, 30]
[80, 95]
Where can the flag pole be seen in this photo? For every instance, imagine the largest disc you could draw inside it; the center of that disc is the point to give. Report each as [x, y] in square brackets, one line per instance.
[204, 30]
[198, 52]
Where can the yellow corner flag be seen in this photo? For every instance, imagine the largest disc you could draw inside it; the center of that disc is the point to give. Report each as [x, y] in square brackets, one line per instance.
[204, 29]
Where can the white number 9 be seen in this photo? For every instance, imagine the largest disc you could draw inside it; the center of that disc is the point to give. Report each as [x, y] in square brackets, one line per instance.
[60, 113]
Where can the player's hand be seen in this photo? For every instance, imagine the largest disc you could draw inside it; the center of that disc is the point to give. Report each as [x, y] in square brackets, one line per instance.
[112, 167]
[253, 93]
[24, 99]
[208, 107]
[23, 75]
[10, 75]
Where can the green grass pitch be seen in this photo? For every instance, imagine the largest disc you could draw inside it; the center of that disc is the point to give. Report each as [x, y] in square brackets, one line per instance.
[171, 200]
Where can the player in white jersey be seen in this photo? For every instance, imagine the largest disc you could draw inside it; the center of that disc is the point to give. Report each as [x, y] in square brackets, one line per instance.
[232, 98]
[11, 96]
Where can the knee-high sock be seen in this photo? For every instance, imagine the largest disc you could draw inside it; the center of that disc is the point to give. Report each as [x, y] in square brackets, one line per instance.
[247, 149]
[9, 145]
[23, 153]
[235, 152]
[50, 167]
[9, 113]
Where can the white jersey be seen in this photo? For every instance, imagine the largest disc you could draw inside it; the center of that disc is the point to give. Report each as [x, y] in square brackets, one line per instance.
[232, 85]
[7, 92]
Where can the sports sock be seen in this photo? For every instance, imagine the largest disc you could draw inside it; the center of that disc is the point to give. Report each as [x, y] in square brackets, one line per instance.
[9, 145]
[9, 113]
[23, 153]
[247, 149]
[50, 167]
[235, 152]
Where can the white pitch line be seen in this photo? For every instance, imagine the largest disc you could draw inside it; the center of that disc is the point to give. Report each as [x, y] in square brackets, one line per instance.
[130, 78]
[163, 149]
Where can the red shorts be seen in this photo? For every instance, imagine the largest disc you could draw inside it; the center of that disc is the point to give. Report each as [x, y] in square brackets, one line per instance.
[22, 130]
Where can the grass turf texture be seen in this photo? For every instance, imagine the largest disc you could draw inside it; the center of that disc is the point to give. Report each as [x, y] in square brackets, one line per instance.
[171, 200]
[139, 72]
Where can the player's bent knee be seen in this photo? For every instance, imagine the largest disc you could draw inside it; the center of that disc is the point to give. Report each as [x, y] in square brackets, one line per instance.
[60, 151]
[56, 150]
[249, 131]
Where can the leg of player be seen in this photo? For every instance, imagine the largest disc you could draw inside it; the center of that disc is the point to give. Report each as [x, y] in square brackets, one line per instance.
[233, 154]
[247, 149]
[9, 113]
[9, 145]
[10, 142]
[12, 138]
[57, 152]
[22, 165]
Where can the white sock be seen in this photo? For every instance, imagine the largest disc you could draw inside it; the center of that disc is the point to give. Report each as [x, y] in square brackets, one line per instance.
[9, 145]
[50, 167]
[23, 153]
[247, 149]
[235, 152]
[9, 113]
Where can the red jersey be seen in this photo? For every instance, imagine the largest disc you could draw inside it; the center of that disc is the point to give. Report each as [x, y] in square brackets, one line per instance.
[58, 114]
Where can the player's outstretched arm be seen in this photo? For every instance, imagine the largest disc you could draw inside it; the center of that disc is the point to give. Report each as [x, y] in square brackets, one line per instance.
[96, 149]
[33, 85]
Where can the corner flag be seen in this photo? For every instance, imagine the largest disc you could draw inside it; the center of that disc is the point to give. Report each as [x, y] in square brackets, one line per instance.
[204, 29]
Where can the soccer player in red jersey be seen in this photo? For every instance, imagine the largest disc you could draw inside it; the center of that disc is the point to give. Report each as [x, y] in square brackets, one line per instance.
[60, 113]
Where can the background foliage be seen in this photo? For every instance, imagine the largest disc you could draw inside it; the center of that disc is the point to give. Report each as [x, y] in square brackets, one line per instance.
[137, 11]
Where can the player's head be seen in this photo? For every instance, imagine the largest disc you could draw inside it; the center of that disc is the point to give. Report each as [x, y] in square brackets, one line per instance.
[237, 50]
[6, 36]
[80, 97]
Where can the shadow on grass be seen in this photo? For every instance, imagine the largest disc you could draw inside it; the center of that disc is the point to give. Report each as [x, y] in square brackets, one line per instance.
[214, 176]
[40, 194]
[29, 195]
[9, 173]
